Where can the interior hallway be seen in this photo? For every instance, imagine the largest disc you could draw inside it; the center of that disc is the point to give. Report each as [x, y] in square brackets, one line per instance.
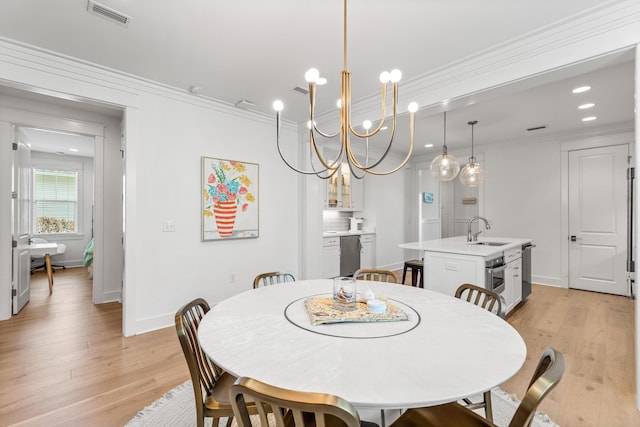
[63, 361]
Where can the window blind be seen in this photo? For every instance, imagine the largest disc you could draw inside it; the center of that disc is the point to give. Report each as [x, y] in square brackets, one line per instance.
[56, 201]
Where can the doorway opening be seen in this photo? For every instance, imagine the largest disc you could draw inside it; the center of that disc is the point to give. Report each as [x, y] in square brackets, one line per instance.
[99, 208]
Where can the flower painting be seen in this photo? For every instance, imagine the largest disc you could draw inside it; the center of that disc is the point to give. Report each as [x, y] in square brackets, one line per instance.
[229, 199]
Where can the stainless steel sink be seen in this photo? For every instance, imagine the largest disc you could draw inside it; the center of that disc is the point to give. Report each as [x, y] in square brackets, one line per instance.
[488, 243]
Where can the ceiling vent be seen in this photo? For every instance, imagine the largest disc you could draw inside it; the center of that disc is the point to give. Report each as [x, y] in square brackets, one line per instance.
[537, 128]
[244, 104]
[301, 90]
[108, 13]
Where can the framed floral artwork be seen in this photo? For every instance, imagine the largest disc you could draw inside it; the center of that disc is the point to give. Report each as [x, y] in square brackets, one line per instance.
[229, 199]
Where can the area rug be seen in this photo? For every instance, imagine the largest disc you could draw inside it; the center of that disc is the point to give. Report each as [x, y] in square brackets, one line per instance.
[177, 409]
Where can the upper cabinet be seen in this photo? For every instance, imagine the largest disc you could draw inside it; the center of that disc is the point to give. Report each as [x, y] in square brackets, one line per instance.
[344, 191]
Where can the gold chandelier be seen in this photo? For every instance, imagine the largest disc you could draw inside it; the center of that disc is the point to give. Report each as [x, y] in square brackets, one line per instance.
[328, 168]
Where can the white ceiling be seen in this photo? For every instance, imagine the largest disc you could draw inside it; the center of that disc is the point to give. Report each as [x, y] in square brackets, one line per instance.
[259, 50]
[60, 143]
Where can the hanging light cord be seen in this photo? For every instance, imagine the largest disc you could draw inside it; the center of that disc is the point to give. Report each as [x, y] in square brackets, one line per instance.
[472, 123]
[444, 144]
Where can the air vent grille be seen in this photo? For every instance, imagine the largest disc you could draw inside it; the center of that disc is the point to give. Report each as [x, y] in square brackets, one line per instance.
[244, 104]
[301, 90]
[108, 13]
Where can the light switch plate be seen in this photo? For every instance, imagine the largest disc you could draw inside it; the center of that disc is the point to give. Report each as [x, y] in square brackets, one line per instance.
[169, 226]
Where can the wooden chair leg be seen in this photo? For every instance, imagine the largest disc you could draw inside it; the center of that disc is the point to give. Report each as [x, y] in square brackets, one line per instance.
[47, 263]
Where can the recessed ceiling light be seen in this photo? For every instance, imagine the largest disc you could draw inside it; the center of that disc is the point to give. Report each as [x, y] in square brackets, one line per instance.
[73, 150]
[587, 105]
[588, 119]
[581, 89]
[428, 145]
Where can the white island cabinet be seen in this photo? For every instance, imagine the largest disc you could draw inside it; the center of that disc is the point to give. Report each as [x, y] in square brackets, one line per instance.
[450, 262]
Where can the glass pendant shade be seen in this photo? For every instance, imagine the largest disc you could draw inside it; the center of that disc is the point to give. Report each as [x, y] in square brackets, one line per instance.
[445, 167]
[472, 174]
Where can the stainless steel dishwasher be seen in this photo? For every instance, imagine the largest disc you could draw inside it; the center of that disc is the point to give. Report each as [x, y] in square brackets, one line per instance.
[349, 255]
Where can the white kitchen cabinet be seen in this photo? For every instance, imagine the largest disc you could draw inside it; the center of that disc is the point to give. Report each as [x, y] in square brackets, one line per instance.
[357, 194]
[343, 191]
[512, 278]
[368, 251]
[330, 257]
[452, 261]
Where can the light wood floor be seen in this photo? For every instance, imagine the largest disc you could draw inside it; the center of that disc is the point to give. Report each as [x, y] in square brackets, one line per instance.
[63, 360]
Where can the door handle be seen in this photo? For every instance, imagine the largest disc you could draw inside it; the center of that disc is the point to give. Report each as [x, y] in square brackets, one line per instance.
[573, 238]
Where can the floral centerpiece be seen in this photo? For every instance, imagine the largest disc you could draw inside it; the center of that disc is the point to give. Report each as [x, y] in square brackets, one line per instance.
[227, 188]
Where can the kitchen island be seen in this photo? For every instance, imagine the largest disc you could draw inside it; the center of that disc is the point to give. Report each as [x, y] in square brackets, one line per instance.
[493, 263]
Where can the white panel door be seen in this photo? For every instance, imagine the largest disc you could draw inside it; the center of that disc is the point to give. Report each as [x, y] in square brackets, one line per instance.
[598, 219]
[429, 206]
[21, 187]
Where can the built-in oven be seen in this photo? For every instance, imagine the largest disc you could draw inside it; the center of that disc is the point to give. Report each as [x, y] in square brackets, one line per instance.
[494, 274]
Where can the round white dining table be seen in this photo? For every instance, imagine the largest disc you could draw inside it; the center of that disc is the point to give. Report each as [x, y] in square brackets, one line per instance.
[447, 349]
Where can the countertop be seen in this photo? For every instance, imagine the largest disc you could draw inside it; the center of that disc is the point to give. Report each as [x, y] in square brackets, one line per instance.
[459, 245]
[346, 233]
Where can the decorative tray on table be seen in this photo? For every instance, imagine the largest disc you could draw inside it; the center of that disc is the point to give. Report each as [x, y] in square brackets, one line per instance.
[322, 311]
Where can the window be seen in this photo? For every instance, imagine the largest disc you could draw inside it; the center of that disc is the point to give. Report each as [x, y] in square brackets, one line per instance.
[55, 201]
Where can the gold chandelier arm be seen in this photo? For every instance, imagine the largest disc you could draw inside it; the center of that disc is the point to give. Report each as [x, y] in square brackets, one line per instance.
[406, 159]
[312, 108]
[286, 162]
[325, 135]
[384, 113]
[328, 165]
[312, 141]
[366, 168]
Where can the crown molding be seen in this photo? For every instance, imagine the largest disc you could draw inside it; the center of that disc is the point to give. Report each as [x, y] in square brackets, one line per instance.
[51, 73]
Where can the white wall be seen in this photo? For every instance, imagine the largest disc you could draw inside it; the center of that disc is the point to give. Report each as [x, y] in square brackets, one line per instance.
[386, 209]
[522, 199]
[174, 267]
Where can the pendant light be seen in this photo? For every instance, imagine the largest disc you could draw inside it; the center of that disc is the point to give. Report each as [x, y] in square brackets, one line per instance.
[445, 167]
[472, 174]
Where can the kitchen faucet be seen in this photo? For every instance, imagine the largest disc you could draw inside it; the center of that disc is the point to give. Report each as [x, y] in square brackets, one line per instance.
[474, 237]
